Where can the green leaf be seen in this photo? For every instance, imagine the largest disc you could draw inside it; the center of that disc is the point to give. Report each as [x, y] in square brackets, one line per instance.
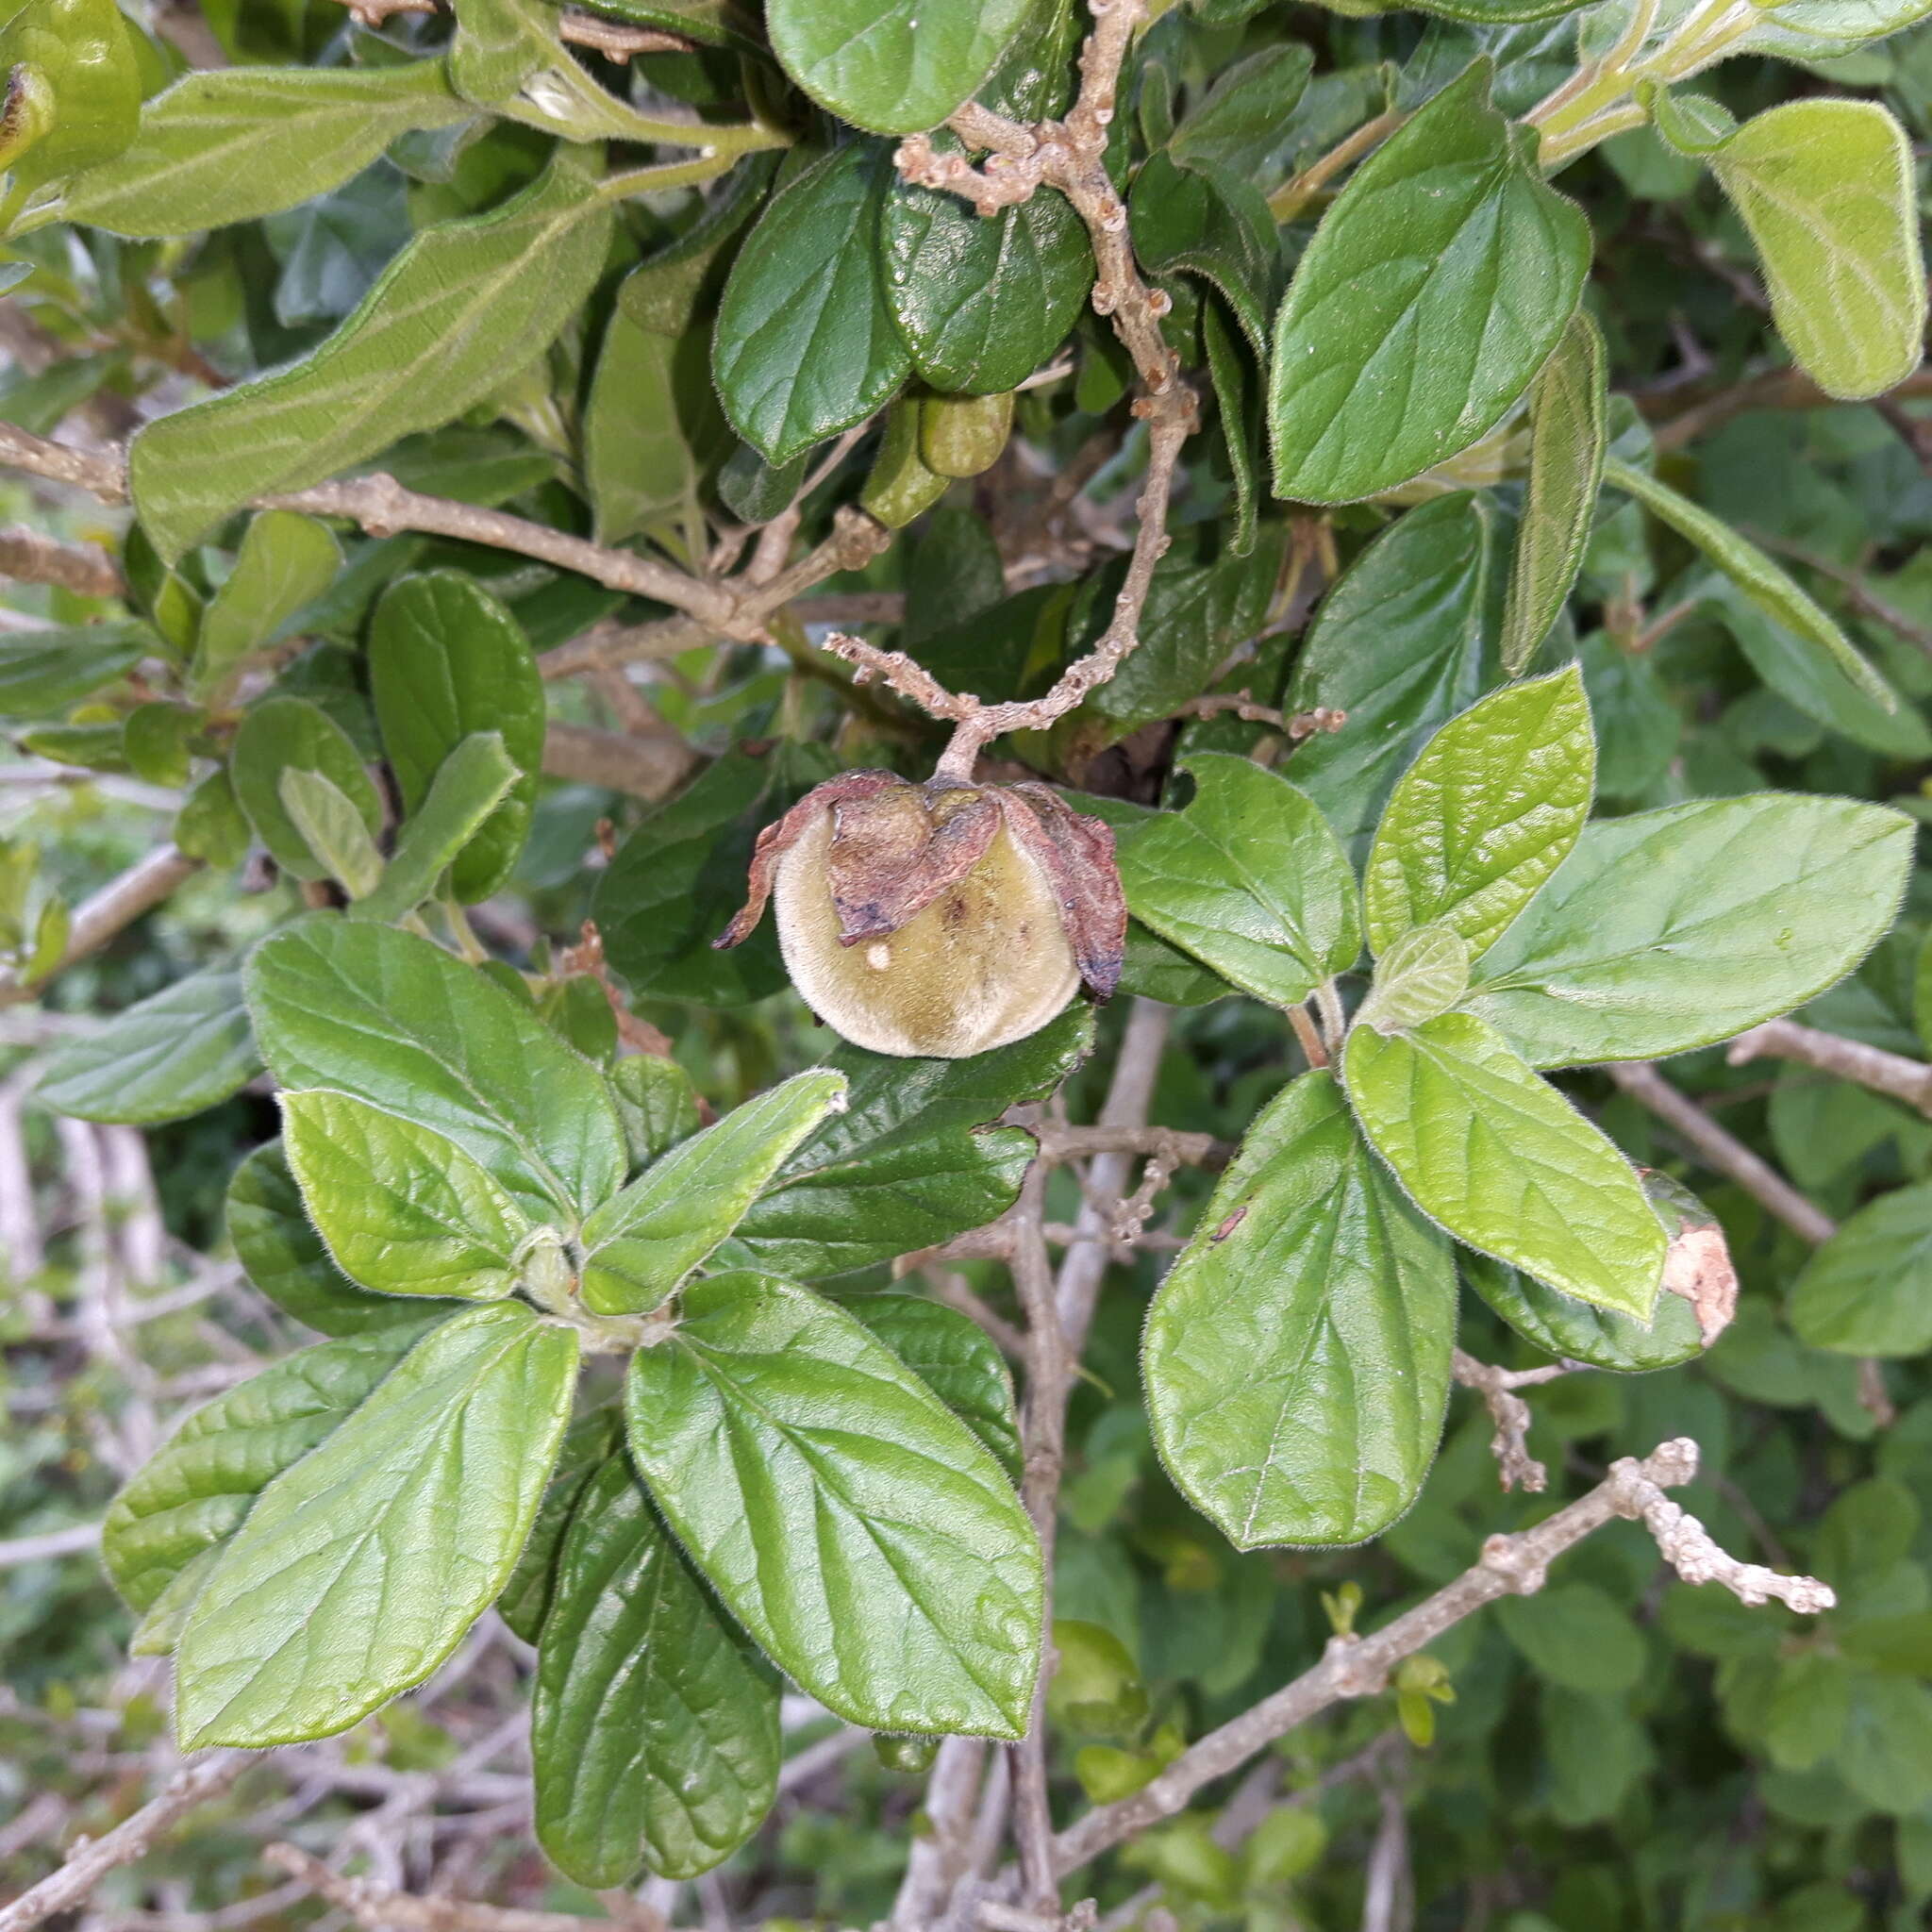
[1863, 1293]
[283, 1256]
[1503, 1161]
[1491, 808]
[1239, 124]
[332, 827]
[641, 1245]
[1238, 396]
[446, 661]
[1672, 929]
[955, 1359]
[1809, 1703]
[284, 561]
[1574, 1331]
[638, 462]
[184, 1048]
[301, 1629]
[1886, 1753]
[894, 66]
[84, 55]
[1424, 972]
[588, 1443]
[1826, 189]
[1438, 284]
[1576, 1635]
[884, 1563]
[912, 1160]
[397, 1022]
[1765, 583]
[195, 1492]
[1249, 879]
[1209, 221]
[1569, 418]
[246, 141]
[280, 737]
[401, 1210]
[654, 1738]
[451, 320]
[211, 826]
[1404, 642]
[1297, 1355]
[656, 1103]
[45, 671]
[804, 345]
[469, 786]
[981, 301]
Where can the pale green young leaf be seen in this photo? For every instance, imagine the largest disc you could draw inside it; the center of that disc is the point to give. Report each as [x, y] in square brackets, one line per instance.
[1424, 972]
[883, 1564]
[284, 561]
[1249, 879]
[654, 1738]
[470, 784]
[279, 738]
[894, 66]
[955, 1359]
[1765, 583]
[1863, 1293]
[463, 307]
[805, 345]
[1297, 1355]
[1488, 811]
[192, 1494]
[330, 825]
[638, 462]
[1828, 190]
[1672, 929]
[1438, 284]
[641, 1243]
[401, 1210]
[242, 142]
[395, 1021]
[177, 1051]
[1569, 406]
[1498, 1158]
[300, 1629]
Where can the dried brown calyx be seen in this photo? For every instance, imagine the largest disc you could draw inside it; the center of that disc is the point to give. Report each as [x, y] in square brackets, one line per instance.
[941, 919]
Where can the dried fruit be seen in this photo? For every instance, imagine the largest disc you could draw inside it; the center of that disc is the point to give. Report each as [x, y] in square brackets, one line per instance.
[939, 919]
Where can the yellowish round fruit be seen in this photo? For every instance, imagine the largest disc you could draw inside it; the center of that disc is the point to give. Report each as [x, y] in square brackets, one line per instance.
[987, 962]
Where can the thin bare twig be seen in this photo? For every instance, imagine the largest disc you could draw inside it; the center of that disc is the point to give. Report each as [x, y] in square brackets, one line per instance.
[49, 1544]
[1289, 200]
[138, 889]
[29, 558]
[381, 1908]
[1512, 1415]
[1890, 1074]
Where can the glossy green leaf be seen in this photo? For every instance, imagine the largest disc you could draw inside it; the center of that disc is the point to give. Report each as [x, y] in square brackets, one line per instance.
[1249, 879]
[912, 1160]
[451, 320]
[654, 1738]
[805, 345]
[1826, 189]
[1207, 221]
[300, 1629]
[279, 737]
[331, 826]
[284, 561]
[1239, 123]
[894, 66]
[397, 1022]
[283, 1256]
[182, 1049]
[1672, 929]
[469, 788]
[1864, 1292]
[656, 1103]
[1404, 642]
[1425, 972]
[446, 660]
[242, 142]
[401, 1210]
[1501, 1161]
[85, 57]
[45, 671]
[955, 1359]
[641, 1245]
[588, 1444]
[981, 301]
[1574, 1331]
[849, 1519]
[194, 1493]
[1438, 284]
[1765, 583]
[1297, 1355]
[1569, 409]
[1488, 811]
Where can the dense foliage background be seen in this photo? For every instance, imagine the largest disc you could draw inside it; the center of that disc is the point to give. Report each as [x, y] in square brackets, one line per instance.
[1616, 1750]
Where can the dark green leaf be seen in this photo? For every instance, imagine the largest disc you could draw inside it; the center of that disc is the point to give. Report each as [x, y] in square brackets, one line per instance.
[1863, 1293]
[1238, 395]
[588, 1443]
[656, 1103]
[1209, 221]
[1574, 1635]
[1572, 1330]
[955, 1359]
[1238, 125]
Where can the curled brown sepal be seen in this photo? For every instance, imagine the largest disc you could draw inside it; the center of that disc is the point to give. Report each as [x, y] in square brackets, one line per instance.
[1076, 854]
